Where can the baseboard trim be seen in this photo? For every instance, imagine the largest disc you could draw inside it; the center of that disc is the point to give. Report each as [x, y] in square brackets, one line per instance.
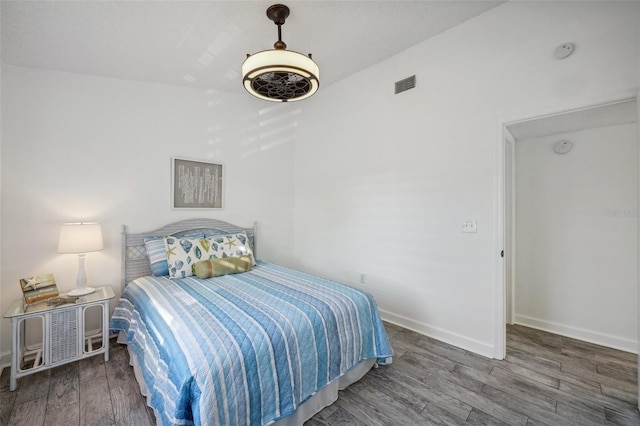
[464, 342]
[614, 342]
[5, 361]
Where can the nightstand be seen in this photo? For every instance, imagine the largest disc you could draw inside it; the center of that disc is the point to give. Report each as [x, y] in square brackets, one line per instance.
[64, 335]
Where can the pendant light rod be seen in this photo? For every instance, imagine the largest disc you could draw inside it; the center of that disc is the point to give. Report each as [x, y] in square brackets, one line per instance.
[278, 13]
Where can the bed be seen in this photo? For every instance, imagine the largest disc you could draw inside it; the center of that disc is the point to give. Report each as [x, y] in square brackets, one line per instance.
[267, 346]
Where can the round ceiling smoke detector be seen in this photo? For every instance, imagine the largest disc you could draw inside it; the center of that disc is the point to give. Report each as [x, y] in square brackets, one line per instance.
[564, 50]
[562, 147]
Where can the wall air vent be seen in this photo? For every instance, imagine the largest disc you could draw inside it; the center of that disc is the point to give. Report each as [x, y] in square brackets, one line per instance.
[405, 84]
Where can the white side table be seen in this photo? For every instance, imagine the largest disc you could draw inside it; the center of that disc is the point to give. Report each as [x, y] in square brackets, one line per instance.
[64, 338]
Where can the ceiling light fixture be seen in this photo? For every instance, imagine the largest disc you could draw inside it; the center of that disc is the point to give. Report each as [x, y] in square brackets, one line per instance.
[280, 75]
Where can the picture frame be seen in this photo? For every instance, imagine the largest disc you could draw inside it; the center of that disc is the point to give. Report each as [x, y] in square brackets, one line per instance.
[196, 184]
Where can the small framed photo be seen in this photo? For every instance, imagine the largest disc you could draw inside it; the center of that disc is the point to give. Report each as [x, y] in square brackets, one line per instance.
[195, 184]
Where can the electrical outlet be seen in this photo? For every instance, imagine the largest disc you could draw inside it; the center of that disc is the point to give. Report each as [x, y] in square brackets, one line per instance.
[470, 226]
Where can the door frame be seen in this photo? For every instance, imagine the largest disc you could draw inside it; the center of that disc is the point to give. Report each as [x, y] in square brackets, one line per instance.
[509, 225]
[500, 305]
[638, 111]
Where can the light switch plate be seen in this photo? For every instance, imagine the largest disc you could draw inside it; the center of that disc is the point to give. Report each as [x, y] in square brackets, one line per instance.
[470, 226]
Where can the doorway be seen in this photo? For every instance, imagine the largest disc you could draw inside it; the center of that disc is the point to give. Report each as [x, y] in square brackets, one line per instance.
[559, 209]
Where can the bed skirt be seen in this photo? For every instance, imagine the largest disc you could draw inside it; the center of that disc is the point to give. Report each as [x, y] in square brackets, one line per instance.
[321, 399]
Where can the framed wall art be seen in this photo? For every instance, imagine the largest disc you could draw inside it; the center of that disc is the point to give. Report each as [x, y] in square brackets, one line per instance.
[196, 184]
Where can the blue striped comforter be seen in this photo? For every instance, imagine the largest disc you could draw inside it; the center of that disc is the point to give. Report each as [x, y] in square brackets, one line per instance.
[246, 348]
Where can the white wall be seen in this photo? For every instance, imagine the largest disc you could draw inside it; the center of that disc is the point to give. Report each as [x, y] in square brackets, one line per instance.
[384, 181]
[576, 236]
[88, 148]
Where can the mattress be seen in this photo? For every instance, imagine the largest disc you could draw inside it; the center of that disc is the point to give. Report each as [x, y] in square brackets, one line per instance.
[247, 348]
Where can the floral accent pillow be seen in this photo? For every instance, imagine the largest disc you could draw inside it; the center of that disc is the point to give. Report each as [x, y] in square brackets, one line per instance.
[157, 252]
[184, 253]
[230, 245]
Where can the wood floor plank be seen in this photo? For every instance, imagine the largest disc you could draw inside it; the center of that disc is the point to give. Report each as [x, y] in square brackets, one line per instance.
[603, 379]
[535, 348]
[589, 356]
[358, 408]
[623, 419]
[7, 398]
[398, 392]
[438, 416]
[466, 381]
[63, 385]
[423, 389]
[478, 417]
[317, 421]
[63, 415]
[618, 372]
[440, 366]
[393, 411]
[620, 394]
[602, 399]
[427, 363]
[533, 422]
[327, 411]
[340, 417]
[614, 357]
[33, 387]
[477, 401]
[581, 417]
[63, 403]
[533, 398]
[537, 337]
[598, 349]
[534, 375]
[128, 403]
[95, 400]
[458, 357]
[29, 413]
[549, 370]
[530, 360]
[580, 364]
[558, 395]
[525, 407]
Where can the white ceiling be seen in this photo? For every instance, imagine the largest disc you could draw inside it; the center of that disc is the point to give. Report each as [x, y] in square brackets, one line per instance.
[203, 44]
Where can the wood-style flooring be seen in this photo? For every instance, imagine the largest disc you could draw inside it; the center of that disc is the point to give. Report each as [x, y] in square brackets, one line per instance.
[545, 380]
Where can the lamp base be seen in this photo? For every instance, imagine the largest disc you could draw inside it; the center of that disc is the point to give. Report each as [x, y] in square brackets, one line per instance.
[81, 291]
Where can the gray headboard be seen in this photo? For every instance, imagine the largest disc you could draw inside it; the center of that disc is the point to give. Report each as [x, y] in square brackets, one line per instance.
[135, 262]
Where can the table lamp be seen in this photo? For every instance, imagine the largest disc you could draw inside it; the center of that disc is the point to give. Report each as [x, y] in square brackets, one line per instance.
[80, 238]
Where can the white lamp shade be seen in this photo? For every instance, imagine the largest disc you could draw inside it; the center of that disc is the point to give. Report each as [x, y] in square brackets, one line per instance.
[81, 237]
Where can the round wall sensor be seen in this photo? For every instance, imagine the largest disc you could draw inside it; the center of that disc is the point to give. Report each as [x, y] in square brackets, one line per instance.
[562, 147]
[564, 50]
